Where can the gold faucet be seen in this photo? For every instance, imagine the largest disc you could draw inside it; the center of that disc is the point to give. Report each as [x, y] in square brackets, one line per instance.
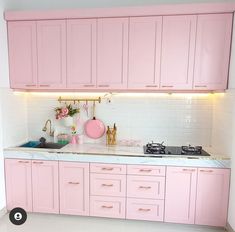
[51, 133]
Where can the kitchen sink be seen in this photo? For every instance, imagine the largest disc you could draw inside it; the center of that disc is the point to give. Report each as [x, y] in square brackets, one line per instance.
[50, 145]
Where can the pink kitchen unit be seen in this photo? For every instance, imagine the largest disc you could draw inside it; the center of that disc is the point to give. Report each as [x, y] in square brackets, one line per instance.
[164, 51]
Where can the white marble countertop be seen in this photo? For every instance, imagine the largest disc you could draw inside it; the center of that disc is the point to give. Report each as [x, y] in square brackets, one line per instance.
[115, 154]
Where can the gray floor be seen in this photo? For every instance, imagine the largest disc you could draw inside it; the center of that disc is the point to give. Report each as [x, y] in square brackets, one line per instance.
[62, 223]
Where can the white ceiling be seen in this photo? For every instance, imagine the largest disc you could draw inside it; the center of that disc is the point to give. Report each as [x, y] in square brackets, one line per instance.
[62, 4]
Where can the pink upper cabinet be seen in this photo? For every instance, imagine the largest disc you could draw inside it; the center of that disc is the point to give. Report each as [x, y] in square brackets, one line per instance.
[144, 52]
[177, 58]
[212, 51]
[112, 53]
[45, 186]
[212, 197]
[180, 196]
[18, 184]
[74, 188]
[22, 54]
[51, 44]
[81, 53]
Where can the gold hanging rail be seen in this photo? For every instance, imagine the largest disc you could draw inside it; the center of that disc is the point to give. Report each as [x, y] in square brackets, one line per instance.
[74, 100]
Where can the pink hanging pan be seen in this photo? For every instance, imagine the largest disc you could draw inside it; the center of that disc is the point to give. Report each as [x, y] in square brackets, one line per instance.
[94, 128]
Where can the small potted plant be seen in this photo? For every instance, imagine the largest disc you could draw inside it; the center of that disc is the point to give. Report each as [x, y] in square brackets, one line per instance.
[66, 114]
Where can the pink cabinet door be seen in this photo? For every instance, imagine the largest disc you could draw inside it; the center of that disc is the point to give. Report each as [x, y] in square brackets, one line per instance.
[145, 209]
[111, 207]
[18, 184]
[51, 44]
[144, 52]
[81, 53]
[150, 187]
[74, 188]
[112, 52]
[45, 186]
[22, 54]
[212, 51]
[178, 44]
[212, 197]
[180, 195]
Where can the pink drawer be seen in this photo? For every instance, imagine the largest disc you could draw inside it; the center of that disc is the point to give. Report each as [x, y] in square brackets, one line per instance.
[108, 185]
[107, 207]
[146, 170]
[108, 168]
[142, 209]
[151, 187]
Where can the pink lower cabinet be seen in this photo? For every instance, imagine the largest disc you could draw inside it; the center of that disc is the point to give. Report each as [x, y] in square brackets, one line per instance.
[180, 198]
[45, 186]
[18, 184]
[145, 209]
[107, 206]
[74, 188]
[212, 196]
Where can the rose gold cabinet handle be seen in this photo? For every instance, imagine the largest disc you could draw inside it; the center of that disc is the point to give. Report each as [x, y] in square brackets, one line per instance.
[107, 185]
[145, 170]
[44, 85]
[189, 170]
[107, 207]
[145, 187]
[30, 85]
[145, 210]
[23, 162]
[38, 162]
[103, 85]
[73, 182]
[88, 85]
[202, 86]
[206, 171]
[167, 86]
[107, 169]
[151, 86]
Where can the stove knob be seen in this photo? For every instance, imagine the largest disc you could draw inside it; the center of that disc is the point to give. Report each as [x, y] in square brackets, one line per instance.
[169, 153]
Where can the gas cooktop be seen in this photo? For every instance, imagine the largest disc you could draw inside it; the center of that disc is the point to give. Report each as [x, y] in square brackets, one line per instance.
[157, 149]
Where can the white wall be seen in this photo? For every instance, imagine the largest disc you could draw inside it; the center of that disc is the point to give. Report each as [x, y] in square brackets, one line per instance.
[175, 119]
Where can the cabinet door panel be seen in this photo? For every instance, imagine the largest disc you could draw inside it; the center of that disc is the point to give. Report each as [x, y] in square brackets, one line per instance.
[45, 186]
[112, 53]
[212, 51]
[22, 54]
[74, 188]
[144, 52]
[180, 195]
[178, 44]
[18, 184]
[51, 43]
[81, 53]
[212, 197]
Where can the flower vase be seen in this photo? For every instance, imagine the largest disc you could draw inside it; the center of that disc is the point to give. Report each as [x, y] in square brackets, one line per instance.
[74, 139]
[68, 121]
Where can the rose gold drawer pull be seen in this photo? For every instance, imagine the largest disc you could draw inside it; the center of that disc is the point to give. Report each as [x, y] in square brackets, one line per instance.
[38, 162]
[151, 86]
[167, 86]
[73, 182]
[107, 207]
[107, 169]
[206, 170]
[145, 170]
[145, 187]
[30, 85]
[107, 185]
[88, 85]
[145, 210]
[44, 85]
[103, 85]
[23, 162]
[200, 86]
[188, 170]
